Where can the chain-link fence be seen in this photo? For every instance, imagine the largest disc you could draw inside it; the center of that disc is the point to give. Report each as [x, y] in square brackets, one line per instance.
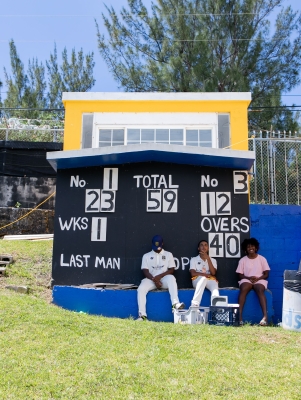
[276, 173]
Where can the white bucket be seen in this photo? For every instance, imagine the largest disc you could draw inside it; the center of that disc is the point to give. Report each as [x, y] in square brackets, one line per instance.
[291, 311]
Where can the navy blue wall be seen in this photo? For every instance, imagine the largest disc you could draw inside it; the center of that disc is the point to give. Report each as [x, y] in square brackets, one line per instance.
[278, 229]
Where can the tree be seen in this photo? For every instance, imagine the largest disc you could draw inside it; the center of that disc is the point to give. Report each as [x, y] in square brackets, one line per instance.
[54, 81]
[28, 89]
[24, 90]
[205, 45]
[73, 76]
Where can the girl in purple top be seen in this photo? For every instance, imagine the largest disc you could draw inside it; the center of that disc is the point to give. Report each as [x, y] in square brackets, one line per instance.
[253, 270]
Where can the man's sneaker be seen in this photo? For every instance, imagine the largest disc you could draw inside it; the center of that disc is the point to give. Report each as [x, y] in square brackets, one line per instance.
[178, 306]
[141, 318]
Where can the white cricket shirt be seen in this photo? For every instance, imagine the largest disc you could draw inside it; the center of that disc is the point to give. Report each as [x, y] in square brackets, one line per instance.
[200, 265]
[157, 263]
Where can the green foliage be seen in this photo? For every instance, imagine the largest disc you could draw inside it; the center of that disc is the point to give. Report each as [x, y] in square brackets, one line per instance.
[206, 46]
[77, 75]
[73, 76]
[24, 89]
[28, 89]
[54, 81]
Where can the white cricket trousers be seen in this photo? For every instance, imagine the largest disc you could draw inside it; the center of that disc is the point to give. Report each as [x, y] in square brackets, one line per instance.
[168, 282]
[200, 284]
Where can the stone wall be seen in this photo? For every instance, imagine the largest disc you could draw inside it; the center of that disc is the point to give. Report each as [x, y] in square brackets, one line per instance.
[38, 222]
[27, 192]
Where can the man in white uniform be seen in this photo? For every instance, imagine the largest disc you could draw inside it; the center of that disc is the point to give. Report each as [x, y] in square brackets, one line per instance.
[158, 267]
[203, 270]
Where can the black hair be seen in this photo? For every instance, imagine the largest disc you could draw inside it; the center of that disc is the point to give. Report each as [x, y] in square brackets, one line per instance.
[203, 240]
[252, 241]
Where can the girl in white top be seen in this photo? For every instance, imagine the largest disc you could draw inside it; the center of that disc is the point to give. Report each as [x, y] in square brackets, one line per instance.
[203, 270]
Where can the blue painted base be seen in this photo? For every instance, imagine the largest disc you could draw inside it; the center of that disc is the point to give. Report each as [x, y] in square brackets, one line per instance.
[123, 303]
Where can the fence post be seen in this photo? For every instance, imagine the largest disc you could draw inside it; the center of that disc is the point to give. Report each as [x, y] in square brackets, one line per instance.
[271, 171]
[6, 135]
[254, 170]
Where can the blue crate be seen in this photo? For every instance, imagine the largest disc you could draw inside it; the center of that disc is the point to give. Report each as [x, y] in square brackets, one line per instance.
[224, 315]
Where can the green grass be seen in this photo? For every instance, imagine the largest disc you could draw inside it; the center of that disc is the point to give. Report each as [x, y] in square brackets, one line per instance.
[50, 353]
[31, 266]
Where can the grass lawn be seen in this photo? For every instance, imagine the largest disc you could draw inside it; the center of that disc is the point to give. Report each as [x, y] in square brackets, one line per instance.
[51, 353]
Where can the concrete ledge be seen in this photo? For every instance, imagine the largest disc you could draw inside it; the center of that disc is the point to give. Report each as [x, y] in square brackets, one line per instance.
[123, 303]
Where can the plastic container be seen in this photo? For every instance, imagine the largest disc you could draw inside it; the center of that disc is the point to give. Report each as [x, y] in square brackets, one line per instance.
[224, 315]
[291, 309]
[195, 315]
[219, 300]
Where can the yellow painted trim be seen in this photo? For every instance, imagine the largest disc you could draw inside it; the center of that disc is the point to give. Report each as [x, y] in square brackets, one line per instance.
[236, 108]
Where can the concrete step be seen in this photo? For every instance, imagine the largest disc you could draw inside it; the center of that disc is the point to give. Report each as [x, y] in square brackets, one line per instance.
[6, 259]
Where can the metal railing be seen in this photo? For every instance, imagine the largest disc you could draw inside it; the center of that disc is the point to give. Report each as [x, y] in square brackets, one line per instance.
[29, 134]
[276, 177]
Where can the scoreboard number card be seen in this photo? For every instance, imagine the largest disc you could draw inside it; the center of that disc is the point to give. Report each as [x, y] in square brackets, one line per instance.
[92, 203]
[99, 229]
[110, 178]
[170, 200]
[107, 203]
[232, 245]
[153, 201]
[241, 182]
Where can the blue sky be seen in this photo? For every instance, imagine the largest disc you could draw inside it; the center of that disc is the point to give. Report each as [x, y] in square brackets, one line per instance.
[35, 25]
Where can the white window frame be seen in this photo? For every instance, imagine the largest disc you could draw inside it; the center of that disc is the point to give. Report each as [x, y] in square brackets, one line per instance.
[174, 120]
[95, 144]
[213, 129]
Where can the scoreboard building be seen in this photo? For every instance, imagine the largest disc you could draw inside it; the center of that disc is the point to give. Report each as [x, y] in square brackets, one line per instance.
[139, 164]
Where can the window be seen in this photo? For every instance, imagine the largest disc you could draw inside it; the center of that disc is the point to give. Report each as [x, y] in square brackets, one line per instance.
[153, 135]
[199, 137]
[175, 128]
[174, 135]
[111, 137]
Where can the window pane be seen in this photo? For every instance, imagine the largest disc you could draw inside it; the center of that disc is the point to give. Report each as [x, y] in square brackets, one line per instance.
[147, 135]
[119, 143]
[162, 135]
[205, 135]
[118, 135]
[176, 135]
[180, 143]
[104, 144]
[134, 134]
[192, 135]
[192, 143]
[205, 144]
[133, 141]
[105, 134]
